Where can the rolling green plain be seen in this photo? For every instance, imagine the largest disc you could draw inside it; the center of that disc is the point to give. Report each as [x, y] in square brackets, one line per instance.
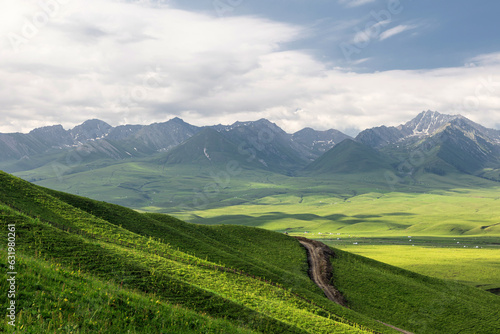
[442, 214]
[447, 234]
[471, 266]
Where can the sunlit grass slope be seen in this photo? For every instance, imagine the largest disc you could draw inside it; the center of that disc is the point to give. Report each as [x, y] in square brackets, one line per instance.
[55, 234]
[204, 278]
[56, 298]
[418, 303]
[457, 212]
[479, 267]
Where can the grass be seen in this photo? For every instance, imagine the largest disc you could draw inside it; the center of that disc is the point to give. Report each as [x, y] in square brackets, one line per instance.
[266, 254]
[55, 232]
[154, 187]
[54, 298]
[460, 212]
[415, 302]
[256, 279]
[472, 266]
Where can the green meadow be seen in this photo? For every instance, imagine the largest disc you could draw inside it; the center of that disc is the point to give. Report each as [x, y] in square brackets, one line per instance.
[453, 234]
[56, 298]
[445, 227]
[458, 212]
[89, 266]
[432, 305]
[479, 267]
[234, 278]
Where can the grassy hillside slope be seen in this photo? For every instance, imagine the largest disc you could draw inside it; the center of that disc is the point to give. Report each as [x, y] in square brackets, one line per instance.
[349, 157]
[53, 232]
[53, 297]
[420, 304]
[89, 266]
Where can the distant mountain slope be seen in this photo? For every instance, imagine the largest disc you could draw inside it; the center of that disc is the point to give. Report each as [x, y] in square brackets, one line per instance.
[349, 157]
[207, 148]
[379, 136]
[437, 143]
[429, 143]
[15, 146]
[52, 136]
[163, 136]
[50, 140]
[318, 142]
[425, 124]
[465, 148]
[261, 145]
[90, 130]
[267, 143]
[260, 140]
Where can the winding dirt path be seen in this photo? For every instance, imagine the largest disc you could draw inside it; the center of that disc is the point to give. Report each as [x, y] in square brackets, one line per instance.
[320, 270]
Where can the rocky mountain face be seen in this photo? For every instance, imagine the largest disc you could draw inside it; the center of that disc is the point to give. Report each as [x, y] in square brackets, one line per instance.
[52, 136]
[265, 142]
[163, 136]
[425, 124]
[465, 145]
[442, 143]
[90, 130]
[318, 142]
[97, 137]
[260, 142]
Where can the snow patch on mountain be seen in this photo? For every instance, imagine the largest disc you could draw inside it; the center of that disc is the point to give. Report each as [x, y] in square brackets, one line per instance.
[206, 154]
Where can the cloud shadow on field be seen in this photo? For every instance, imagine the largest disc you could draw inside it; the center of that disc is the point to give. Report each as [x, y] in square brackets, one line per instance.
[399, 214]
[262, 220]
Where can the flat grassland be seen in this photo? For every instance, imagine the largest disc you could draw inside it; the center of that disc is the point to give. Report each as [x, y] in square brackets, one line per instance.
[471, 266]
[453, 234]
[452, 213]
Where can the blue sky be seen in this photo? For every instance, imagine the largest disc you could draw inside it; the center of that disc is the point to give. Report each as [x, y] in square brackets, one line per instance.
[439, 33]
[344, 64]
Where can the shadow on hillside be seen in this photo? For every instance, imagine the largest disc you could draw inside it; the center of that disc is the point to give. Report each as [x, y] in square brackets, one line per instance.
[399, 214]
[282, 218]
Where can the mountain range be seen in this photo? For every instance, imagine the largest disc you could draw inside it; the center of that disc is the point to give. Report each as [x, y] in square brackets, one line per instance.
[429, 143]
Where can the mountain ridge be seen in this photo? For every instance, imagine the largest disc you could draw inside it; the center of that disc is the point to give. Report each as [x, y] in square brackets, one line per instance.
[450, 143]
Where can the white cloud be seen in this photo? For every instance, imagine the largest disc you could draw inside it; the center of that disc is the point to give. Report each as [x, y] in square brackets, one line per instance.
[355, 3]
[372, 32]
[134, 63]
[396, 30]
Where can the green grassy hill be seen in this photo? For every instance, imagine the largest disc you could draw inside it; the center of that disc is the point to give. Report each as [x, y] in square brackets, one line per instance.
[418, 303]
[206, 148]
[237, 285]
[350, 157]
[90, 267]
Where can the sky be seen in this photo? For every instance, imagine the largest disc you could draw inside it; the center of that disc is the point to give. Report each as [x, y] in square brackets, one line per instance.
[343, 64]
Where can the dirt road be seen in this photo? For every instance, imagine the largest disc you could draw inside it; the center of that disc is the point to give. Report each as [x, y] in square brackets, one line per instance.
[320, 270]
